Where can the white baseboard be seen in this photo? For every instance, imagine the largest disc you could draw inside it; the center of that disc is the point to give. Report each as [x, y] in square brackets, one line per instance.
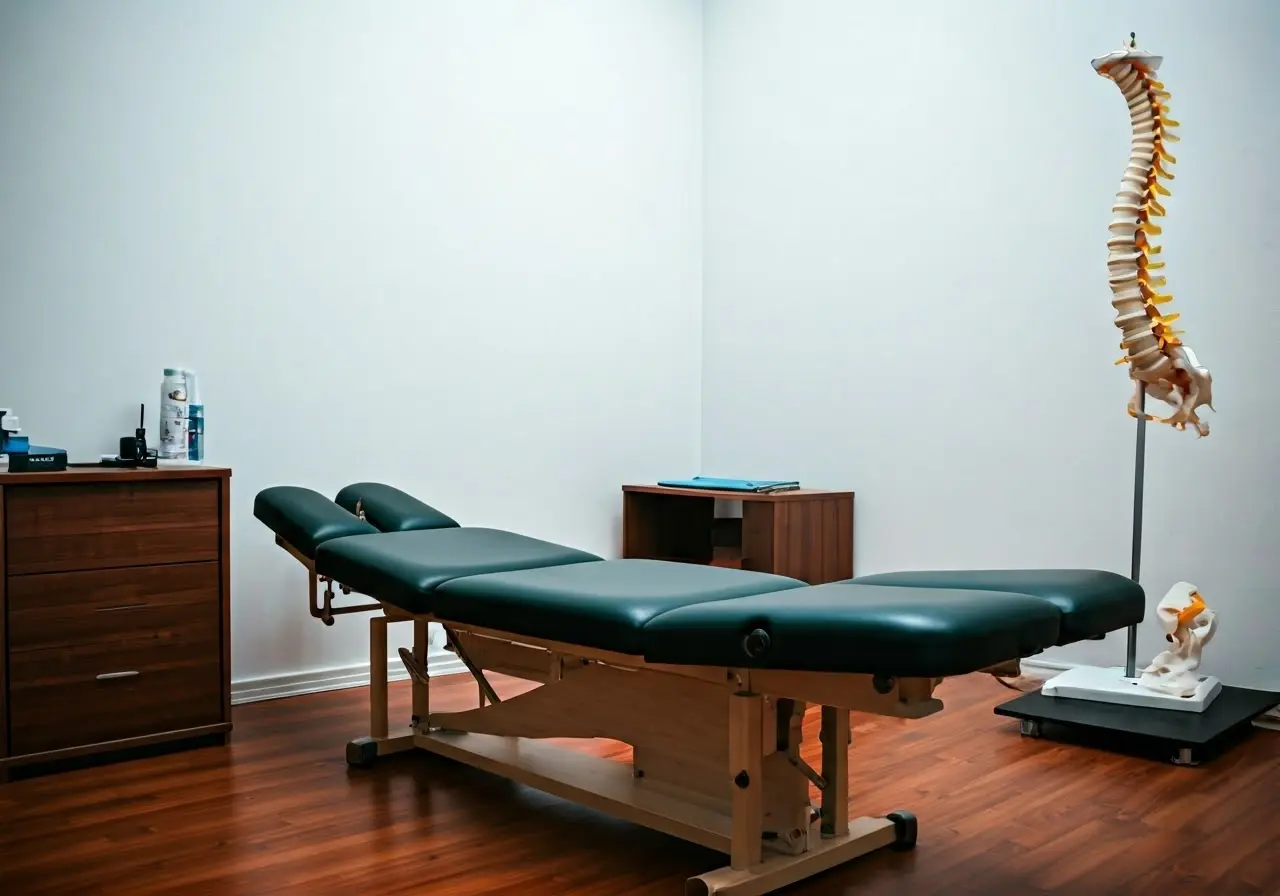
[1045, 669]
[293, 684]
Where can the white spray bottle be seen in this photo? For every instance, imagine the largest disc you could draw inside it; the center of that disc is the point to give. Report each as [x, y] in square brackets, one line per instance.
[173, 414]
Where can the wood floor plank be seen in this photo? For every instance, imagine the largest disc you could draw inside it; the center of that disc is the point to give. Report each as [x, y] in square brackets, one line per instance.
[278, 812]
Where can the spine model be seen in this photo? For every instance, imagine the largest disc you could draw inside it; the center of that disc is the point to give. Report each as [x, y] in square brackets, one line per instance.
[1159, 361]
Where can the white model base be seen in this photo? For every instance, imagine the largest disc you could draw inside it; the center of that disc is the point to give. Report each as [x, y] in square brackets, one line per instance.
[1109, 685]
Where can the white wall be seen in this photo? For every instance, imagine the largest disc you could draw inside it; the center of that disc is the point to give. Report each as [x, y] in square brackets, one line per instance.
[906, 295]
[459, 246]
[453, 246]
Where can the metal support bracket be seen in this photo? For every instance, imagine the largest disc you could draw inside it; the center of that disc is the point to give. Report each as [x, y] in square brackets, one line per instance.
[323, 611]
[487, 689]
[326, 610]
[807, 770]
[413, 667]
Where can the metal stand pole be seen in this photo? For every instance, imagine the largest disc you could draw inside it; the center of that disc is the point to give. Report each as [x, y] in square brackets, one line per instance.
[1139, 473]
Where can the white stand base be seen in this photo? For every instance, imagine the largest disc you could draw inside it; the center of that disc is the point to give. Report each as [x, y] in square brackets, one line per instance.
[1109, 685]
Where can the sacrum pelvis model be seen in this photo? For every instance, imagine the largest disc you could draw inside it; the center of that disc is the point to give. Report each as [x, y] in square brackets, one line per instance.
[1159, 361]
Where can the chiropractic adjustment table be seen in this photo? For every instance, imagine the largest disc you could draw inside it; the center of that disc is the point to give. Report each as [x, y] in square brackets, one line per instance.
[706, 672]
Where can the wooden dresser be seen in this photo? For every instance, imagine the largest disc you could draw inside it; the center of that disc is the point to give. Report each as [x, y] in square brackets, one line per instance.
[114, 610]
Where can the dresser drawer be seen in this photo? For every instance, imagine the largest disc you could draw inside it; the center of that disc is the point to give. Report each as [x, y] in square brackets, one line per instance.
[83, 709]
[55, 528]
[143, 605]
[122, 683]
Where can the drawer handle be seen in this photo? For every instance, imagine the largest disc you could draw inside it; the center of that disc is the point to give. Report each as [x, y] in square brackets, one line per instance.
[121, 607]
[106, 675]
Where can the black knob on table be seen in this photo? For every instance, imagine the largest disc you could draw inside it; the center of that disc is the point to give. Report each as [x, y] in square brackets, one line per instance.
[756, 644]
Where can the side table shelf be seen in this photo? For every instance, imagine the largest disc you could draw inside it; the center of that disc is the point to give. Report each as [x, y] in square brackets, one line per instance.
[806, 534]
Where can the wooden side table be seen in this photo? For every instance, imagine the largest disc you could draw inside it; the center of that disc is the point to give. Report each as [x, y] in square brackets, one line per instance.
[806, 534]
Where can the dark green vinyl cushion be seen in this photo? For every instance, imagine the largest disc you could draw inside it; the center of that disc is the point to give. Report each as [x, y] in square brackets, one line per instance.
[1092, 601]
[390, 509]
[305, 518]
[603, 605]
[839, 627]
[405, 568]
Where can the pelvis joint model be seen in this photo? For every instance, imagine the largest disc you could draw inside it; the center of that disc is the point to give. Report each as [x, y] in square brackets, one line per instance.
[1159, 361]
[1188, 625]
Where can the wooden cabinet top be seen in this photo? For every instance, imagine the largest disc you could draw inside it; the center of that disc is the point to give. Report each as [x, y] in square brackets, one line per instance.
[799, 494]
[75, 475]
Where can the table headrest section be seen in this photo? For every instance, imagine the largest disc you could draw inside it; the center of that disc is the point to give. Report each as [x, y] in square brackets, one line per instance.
[857, 628]
[304, 518]
[390, 509]
[404, 569]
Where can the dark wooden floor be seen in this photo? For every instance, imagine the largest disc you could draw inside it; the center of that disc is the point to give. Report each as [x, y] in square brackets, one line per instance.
[278, 811]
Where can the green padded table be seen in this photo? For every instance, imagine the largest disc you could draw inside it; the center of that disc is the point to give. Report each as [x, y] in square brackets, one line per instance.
[704, 670]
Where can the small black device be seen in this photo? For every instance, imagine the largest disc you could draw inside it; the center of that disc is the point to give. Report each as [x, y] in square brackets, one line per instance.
[133, 449]
[38, 460]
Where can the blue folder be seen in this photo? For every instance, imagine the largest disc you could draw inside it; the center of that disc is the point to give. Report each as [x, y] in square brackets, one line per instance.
[713, 483]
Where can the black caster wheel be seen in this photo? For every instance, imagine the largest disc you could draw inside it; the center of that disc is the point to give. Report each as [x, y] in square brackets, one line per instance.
[904, 828]
[362, 752]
